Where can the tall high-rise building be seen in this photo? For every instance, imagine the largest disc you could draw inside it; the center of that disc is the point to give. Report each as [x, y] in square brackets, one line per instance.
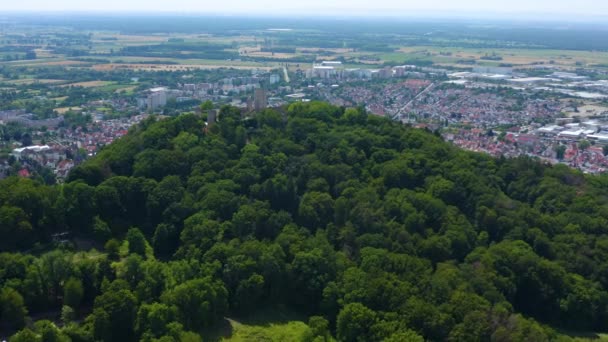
[212, 116]
[157, 97]
[274, 79]
[260, 100]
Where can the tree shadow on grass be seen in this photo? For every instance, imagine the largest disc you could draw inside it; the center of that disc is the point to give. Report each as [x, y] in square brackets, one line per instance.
[219, 331]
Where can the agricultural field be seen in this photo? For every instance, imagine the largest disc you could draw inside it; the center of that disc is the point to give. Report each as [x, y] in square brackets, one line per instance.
[29, 81]
[88, 84]
[516, 57]
[300, 221]
[589, 109]
[63, 110]
[139, 46]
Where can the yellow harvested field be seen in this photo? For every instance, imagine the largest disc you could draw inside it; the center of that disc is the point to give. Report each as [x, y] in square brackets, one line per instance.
[51, 63]
[63, 63]
[43, 53]
[257, 52]
[589, 110]
[518, 57]
[27, 81]
[63, 110]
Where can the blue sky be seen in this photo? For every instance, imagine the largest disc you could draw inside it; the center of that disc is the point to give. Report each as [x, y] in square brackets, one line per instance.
[561, 8]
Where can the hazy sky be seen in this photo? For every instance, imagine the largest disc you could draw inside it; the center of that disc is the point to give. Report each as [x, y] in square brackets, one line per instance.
[563, 8]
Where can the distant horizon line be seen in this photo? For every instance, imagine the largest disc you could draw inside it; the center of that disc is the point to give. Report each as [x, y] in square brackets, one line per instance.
[524, 16]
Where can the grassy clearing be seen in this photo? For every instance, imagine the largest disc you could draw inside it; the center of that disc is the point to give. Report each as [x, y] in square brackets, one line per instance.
[267, 325]
[124, 89]
[112, 87]
[280, 332]
[586, 336]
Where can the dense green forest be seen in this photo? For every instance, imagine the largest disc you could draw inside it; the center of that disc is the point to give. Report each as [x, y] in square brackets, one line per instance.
[372, 230]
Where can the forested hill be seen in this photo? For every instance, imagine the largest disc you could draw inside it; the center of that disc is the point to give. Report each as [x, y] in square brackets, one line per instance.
[375, 230]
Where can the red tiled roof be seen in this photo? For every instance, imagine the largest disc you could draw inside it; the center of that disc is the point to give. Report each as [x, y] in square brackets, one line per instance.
[24, 173]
